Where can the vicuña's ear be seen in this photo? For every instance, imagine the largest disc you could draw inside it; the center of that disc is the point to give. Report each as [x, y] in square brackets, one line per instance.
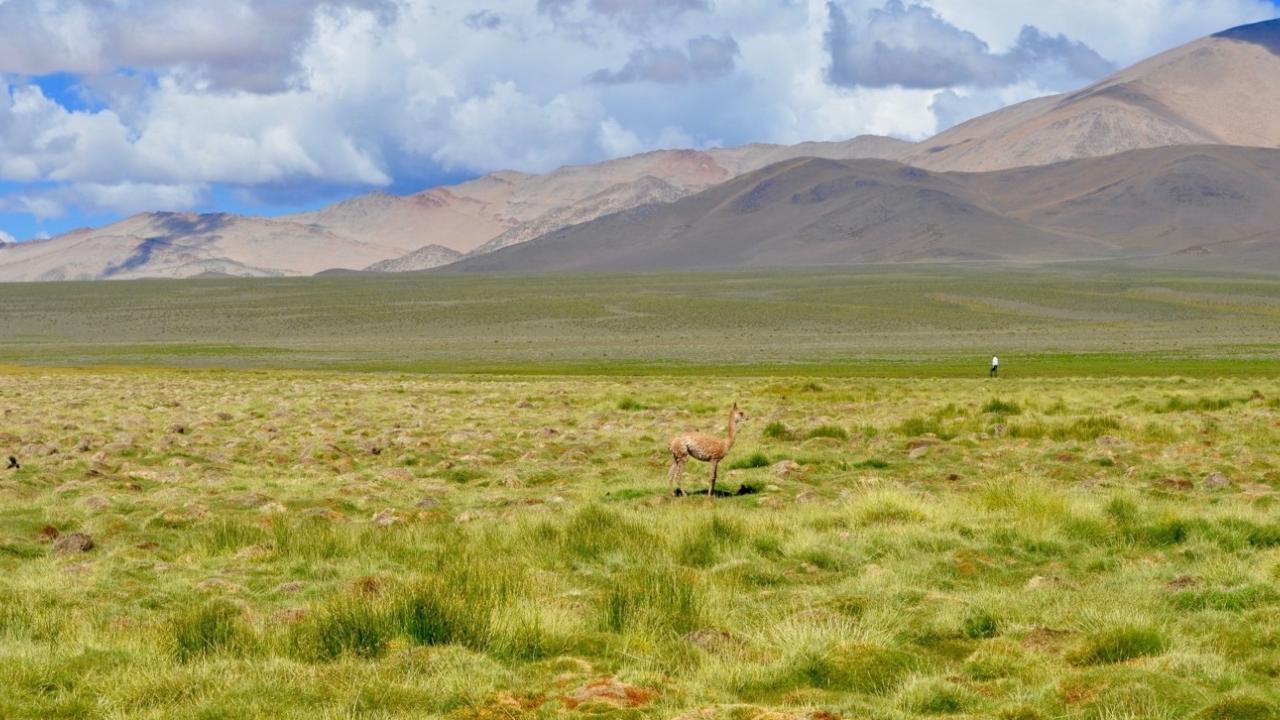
[735, 405]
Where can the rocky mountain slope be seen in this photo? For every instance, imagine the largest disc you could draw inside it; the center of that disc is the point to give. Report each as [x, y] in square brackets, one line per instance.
[1223, 89]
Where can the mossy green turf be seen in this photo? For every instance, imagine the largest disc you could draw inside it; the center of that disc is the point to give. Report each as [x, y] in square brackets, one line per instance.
[882, 321]
[327, 544]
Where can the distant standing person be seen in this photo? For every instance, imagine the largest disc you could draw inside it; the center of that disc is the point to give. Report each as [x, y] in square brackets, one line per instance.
[995, 366]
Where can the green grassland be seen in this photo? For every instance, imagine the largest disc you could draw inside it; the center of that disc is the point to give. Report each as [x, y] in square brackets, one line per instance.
[446, 497]
[325, 544]
[877, 321]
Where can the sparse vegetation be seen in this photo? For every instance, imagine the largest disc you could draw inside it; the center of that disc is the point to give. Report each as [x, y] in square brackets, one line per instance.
[384, 545]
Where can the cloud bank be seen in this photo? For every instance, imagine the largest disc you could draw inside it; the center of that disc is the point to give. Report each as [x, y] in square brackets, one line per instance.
[109, 106]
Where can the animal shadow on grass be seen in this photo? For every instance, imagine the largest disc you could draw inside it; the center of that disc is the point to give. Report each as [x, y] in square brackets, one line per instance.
[743, 489]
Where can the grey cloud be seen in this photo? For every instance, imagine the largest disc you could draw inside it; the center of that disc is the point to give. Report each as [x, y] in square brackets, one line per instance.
[483, 20]
[243, 45]
[631, 13]
[703, 58]
[912, 46]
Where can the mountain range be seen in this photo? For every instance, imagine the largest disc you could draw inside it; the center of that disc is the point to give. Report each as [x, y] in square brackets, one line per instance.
[1178, 155]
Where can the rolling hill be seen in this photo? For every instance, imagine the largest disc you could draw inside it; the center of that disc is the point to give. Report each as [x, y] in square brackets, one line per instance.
[1159, 201]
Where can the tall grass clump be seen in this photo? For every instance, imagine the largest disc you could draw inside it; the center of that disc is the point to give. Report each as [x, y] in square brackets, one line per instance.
[1089, 428]
[458, 602]
[594, 532]
[918, 425]
[778, 431]
[655, 600]
[629, 404]
[1117, 645]
[861, 668]
[360, 627]
[828, 431]
[213, 627]
[1001, 407]
[754, 460]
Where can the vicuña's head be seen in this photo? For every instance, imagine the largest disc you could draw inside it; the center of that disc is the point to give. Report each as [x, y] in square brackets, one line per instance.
[738, 415]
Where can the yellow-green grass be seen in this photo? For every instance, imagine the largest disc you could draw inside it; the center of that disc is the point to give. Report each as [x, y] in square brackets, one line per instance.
[305, 544]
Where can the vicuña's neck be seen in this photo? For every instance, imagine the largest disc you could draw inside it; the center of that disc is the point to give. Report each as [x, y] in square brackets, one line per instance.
[733, 428]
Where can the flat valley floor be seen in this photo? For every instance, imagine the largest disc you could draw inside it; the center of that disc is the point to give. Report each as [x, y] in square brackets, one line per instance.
[1096, 535]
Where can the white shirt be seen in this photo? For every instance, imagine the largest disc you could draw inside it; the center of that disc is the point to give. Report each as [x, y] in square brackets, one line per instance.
[995, 360]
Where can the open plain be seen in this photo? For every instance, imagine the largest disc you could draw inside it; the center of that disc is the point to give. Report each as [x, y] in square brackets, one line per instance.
[212, 521]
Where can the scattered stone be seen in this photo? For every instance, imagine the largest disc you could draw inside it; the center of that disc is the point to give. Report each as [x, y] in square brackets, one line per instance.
[398, 475]
[786, 468]
[1215, 481]
[291, 615]
[323, 513]
[218, 585]
[918, 452]
[712, 641]
[76, 542]
[426, 503]
[921, 442]
[95, 502]
[1175, 484]
[1040, 581]
[1045, 639]
[385, 518]
[609, 691]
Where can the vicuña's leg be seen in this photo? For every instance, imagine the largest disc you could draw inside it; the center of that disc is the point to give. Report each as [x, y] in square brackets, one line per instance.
[715, 467]
[677, 470]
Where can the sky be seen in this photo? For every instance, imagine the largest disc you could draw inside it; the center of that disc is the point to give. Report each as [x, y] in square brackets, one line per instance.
[112, 107]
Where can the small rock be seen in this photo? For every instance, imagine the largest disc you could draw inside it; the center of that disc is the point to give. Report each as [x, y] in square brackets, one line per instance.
[609, 691]
[711, 640]
[1215, 481]
[76, 542]
[918, 452]
[786, 468]
[218, 585]
[84, 445]
[922, 442]
[178, 429]
[807, 496]
[1174, 483]
[426, 503]
[290, 615]
[95, 502]
[1040, 581]
[291, 587]
[385, 518]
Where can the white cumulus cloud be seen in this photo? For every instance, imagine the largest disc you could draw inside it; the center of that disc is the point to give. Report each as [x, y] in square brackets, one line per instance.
[177, 97]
